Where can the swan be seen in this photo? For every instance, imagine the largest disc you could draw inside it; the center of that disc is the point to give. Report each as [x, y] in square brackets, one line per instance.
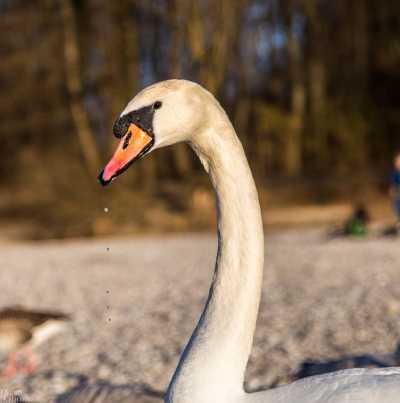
[212, 366]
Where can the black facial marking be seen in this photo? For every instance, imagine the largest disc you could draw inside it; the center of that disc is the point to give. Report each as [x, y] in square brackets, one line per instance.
[142, 118]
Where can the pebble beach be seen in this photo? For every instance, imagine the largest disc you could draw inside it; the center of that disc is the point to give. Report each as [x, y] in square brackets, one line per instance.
[134, 302]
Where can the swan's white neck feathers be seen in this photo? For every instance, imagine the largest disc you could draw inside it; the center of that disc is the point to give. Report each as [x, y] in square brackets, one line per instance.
[218, 350]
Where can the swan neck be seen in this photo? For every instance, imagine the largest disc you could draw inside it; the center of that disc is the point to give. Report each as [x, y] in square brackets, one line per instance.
[215, 359]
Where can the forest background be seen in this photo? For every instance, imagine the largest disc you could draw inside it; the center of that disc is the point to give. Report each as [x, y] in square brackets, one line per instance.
[312, 87]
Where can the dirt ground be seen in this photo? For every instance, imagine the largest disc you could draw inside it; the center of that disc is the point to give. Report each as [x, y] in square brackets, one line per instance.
[135, 301]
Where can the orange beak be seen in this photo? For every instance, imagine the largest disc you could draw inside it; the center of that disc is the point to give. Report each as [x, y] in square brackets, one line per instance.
[132, 146]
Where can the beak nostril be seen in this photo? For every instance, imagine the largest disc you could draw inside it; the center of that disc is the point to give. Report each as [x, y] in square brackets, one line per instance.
[127, 140]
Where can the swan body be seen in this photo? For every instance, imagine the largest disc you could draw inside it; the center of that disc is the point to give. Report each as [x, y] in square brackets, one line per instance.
[212, 366]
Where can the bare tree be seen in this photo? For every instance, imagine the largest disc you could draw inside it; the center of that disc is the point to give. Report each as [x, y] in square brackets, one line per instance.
[75, 87]
[293, 160]
[177, 12]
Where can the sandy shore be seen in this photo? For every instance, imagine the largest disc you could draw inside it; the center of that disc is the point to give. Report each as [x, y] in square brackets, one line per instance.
[135, 301]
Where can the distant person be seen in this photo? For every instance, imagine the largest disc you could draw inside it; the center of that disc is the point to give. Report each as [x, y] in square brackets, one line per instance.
[395, 187]
[357, 223]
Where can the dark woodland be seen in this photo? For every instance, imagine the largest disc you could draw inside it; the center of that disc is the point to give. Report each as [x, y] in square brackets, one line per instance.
[312, 86]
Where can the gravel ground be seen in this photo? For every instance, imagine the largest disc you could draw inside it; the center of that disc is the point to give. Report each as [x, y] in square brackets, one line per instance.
[135, 301]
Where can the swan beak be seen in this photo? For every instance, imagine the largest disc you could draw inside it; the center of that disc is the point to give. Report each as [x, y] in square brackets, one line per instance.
[132, 146]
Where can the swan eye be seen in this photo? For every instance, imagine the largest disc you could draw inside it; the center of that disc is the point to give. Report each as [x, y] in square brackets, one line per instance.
[157, 105]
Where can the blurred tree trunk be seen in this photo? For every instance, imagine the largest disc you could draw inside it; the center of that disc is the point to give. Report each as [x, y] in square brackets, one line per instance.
[360, 28]
[294, 144]
[177, 13]
[211, 44]
[122, 53]
[317, 81]
[242, 103]
[75, 87]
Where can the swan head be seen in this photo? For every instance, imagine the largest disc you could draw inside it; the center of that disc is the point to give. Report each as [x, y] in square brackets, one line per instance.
[162, 114]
